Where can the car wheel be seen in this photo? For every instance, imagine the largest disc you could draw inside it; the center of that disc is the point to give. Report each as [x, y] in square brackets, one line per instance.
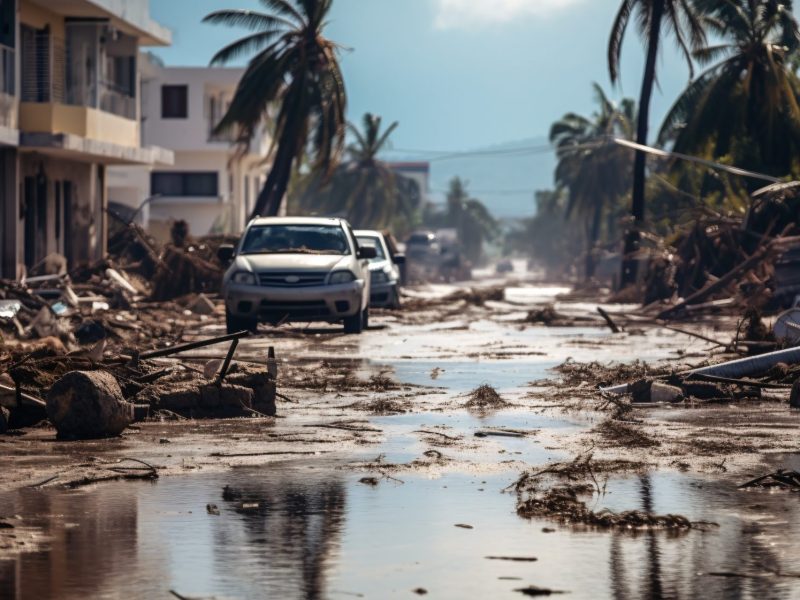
[236, 324]
[394, 303]
[365, 318]
[354, 324]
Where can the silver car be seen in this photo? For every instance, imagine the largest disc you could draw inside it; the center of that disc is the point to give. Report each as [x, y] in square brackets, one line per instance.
[384, 270]
[296, 269]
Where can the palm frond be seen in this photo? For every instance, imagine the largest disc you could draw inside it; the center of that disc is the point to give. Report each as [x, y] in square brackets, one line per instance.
[246, 18]
[285, 8]
[617, 36]
[246, 45]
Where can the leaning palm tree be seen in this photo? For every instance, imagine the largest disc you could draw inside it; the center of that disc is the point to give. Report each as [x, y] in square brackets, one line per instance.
[653, 17]
[364, 188]
[593, 170]
[296, 68]
[745, 106]
[471, 219]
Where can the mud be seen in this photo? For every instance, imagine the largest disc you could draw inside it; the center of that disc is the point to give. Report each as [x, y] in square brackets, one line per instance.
[376, 426]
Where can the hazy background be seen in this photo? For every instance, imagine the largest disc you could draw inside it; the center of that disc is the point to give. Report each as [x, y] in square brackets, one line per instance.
[462, 76]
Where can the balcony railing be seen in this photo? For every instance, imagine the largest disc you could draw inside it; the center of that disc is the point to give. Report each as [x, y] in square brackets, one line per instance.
[7, 71]
[46, 77]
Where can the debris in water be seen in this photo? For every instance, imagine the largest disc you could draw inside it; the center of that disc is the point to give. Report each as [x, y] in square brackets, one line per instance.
[485, 397]
[779, 479]
[532, 590]
[464, 526]
[212, 509]
[373, 481]
[513, 558]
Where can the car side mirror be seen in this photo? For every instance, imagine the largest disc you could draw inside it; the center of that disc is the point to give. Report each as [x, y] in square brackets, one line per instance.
[225, 253]
[399, 259]
[367, 252]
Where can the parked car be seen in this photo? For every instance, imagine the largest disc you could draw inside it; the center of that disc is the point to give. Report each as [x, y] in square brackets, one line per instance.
[296, 269]
[384, 270]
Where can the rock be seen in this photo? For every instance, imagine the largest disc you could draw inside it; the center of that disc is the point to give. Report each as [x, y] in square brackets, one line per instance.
[88, 404]
[201, 305]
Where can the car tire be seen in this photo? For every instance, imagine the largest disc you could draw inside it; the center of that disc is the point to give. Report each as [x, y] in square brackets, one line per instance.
[365, 318]
[354, 324]
[235, 324]
[394, 303]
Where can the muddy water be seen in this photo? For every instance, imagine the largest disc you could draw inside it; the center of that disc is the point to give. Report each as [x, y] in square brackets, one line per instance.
[312, 529]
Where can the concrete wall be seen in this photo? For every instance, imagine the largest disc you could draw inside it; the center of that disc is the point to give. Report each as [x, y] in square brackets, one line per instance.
[48, 117]
[194, 151]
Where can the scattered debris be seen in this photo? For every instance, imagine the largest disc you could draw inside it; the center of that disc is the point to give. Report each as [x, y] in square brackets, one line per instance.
[464, 526]
[533, 591]
[779, 479]
[485, 397]
[513, 558]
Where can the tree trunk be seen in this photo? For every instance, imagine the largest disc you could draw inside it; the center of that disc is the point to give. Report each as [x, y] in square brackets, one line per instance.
[269, 199]
[632, 237]
[594, 235]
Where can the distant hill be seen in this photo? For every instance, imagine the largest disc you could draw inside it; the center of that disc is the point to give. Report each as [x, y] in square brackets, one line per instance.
[503, 176]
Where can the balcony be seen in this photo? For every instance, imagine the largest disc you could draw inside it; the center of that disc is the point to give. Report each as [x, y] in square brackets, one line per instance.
[82, 71]
[72, 86]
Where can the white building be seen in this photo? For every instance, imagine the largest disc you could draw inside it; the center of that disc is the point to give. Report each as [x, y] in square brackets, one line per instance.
[69, 110]
[210, 186]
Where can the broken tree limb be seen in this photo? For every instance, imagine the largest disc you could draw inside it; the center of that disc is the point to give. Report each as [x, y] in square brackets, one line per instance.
[757, 257]
[775, 245]
[695, 335]
[609, 321]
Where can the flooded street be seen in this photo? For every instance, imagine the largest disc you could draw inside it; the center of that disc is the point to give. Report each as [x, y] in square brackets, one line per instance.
[413, 499]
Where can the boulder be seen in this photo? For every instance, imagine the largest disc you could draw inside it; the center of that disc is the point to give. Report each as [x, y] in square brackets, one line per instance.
[87, 405]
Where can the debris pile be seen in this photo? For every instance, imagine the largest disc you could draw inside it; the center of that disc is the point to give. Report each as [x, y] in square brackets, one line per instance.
[484, 398]
[560, 492]
[97, 393]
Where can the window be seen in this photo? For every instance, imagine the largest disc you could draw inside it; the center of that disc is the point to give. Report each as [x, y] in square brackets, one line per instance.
[174, 101]
[197, 183]
[295, 239]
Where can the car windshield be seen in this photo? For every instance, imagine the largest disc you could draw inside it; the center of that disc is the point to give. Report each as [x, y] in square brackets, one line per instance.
[372, 242]
[295, 239]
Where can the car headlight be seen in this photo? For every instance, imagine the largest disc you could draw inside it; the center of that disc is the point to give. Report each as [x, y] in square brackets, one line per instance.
[379, 277]
[244, 278]
[341, 277]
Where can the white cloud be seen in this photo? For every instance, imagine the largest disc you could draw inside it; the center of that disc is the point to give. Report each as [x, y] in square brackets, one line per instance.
[466, 14]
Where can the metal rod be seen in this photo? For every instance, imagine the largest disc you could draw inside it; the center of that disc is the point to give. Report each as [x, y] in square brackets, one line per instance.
[193, 345]
[224, 370]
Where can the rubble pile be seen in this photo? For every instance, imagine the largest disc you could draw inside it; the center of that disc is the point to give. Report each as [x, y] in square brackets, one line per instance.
[94, 392]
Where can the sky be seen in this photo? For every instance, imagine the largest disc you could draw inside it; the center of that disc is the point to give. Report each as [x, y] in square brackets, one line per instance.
[457, 74]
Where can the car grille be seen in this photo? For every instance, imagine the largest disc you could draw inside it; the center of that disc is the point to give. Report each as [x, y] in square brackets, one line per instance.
[302, 279]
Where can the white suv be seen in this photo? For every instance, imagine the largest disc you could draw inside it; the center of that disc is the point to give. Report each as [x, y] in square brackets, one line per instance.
[296, 269]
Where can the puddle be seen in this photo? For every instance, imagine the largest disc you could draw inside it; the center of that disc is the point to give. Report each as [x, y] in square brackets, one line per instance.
[319, 533]
[464, 376]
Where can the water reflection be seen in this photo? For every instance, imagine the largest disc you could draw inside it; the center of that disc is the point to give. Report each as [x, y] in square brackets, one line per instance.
[276, 538]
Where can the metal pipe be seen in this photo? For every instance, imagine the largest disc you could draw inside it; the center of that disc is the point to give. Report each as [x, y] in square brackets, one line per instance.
[193, 345]
[733, 369]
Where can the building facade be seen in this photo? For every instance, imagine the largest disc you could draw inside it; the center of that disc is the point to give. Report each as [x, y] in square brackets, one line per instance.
[69, 108]
[211, 185]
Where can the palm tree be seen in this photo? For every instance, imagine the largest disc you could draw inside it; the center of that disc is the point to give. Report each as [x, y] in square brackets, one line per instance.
[652, 16]
[296, 67]
[591, 167]
[745, 106]
[471, 219]
[364, 188]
